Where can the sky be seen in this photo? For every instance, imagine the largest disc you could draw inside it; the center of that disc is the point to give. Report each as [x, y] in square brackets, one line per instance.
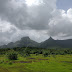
[38, 19]
[64, 4]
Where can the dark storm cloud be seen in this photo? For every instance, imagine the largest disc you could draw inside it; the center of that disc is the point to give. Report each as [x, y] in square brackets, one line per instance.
[22, 18]
[43, 12]
[17, 16]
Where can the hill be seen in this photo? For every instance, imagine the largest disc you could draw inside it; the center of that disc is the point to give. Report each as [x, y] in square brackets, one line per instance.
[56, 43]
[24, 42]
[49, 43]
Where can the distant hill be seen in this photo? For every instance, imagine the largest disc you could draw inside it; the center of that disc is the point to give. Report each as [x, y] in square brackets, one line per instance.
[27, 42]
[56, 43]
[48, 43]
[24, 42]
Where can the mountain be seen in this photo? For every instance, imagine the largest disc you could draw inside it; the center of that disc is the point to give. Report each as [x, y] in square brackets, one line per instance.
[64, 43]
[24, 42]
[49, 43]
[56, 43]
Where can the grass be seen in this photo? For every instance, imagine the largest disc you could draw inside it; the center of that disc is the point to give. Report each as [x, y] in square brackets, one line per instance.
[33, 63]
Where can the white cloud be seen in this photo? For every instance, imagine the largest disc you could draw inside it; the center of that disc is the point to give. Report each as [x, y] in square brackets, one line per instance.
[68, 14]
[7, 30]
[33, 2]
[60, 24]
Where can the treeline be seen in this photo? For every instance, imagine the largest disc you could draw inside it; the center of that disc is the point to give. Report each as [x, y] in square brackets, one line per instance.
[37, 51]
[13, 53]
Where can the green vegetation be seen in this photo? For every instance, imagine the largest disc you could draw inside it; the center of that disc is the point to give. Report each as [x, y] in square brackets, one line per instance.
[12, 56]
[35, 60]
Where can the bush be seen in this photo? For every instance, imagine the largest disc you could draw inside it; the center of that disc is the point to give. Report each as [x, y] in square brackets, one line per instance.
[12, 56]
[26, 55]
[1, 62]
[10, 63]
[45, 54]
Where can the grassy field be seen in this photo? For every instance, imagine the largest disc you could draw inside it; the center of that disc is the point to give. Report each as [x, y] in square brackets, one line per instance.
[33, 63]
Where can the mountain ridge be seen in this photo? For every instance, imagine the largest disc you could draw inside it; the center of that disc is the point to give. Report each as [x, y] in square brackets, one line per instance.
[27, 42]
[24, 42]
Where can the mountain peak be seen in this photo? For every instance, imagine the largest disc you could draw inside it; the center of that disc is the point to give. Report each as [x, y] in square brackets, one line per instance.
[50, 38]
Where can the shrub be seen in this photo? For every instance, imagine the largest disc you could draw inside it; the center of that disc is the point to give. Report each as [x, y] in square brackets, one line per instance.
[12, 56]
[1, 62]
[37, 54]
[10, 63]
[26, 55]
[45, 54]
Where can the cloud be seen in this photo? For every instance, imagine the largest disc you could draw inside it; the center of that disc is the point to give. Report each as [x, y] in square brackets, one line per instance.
[61, 23]
[14, 12]
[35, 17]
[6, 32]
[38, 21]
[40, 15]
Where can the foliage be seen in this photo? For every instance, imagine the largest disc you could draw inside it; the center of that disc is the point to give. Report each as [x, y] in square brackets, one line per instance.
[12, 56]
[31, 50]
[45, 54]
[10, 63]
[35, 60]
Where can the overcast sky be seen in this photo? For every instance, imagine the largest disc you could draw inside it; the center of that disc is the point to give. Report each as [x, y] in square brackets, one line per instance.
[38, 19]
